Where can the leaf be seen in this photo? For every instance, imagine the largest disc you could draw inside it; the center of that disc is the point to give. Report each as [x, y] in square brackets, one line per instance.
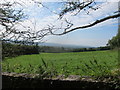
[44, 63]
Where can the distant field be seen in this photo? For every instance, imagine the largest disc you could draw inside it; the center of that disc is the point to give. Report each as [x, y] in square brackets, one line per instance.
[77, 63]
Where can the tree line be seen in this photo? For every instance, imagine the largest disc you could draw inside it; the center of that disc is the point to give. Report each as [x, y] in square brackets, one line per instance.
[12, 50]
[91, 49]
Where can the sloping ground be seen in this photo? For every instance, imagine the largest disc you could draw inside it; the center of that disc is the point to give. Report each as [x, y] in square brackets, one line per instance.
[13, 80]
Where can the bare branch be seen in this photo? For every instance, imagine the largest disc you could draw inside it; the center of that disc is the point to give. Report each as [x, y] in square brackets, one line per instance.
[89, 25]
[75, 5]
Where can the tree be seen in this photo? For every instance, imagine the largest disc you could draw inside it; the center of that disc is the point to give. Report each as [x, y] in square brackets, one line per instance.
[115, 41]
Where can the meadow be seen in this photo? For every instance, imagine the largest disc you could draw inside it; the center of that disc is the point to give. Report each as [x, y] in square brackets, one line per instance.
[92, 63]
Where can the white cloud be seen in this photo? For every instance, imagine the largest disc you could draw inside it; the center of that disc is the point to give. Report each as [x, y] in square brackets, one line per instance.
[82, 18]
[105, 9]
[38, 24]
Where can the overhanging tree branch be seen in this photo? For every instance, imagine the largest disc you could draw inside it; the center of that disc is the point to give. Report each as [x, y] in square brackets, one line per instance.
[87, 26]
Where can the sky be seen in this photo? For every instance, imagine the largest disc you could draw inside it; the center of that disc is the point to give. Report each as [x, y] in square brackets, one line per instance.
[95, 36]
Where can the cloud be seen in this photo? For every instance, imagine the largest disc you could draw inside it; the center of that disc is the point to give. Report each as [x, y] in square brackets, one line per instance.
[37, 24]
[78, 20]
[104, 10]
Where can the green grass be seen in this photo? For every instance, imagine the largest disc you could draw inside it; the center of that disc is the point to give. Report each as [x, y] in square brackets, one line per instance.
[94, 63]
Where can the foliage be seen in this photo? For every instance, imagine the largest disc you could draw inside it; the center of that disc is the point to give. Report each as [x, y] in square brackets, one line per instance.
[52, 49]
[91, 49]
[12, 50]
[115, 41]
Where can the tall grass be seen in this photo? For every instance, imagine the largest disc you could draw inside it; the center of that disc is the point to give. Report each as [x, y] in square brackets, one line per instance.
[97, 63]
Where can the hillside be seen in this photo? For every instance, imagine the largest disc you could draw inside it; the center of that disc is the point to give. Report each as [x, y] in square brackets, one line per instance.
[63, 45]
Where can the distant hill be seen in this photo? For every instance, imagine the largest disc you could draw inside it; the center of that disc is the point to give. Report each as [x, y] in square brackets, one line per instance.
[63, 45]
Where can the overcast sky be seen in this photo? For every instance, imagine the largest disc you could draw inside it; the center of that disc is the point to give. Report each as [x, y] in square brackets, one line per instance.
[94, 36]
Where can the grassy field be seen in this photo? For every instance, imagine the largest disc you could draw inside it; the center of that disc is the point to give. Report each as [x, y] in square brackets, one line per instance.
[94, 63]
